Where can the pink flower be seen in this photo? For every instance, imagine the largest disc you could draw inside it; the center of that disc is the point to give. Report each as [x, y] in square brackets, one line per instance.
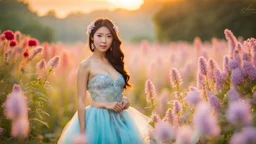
[164, 132]
[231, 41]
[202, 65]
[239, 113]
[193, 97]
[20, 128]
[15, 105]
[54, 62]
[219, 79]
[2, 37]
[225, 64]
[185, 135]
[176, 80]
[205, 122]
[9, 35]
[246, 56]
[233, 64]
[90, 28]
[177, 106]
[116, 28]
[155, 117]
[214, 102]
[150, 91]
[200, 81]
[169, 116]
[212, 65]
[41, 64]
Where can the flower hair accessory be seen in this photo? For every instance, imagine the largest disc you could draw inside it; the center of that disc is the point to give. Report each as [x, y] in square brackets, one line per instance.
[90, 28]
[92, 25]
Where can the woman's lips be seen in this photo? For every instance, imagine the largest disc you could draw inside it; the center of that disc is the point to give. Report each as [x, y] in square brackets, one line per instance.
[103, 46]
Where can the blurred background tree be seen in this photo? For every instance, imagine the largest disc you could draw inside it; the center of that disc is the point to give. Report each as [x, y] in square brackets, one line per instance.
[15, 15]
[186, 19]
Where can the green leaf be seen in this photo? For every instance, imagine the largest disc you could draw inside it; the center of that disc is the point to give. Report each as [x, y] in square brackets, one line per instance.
[42, 122]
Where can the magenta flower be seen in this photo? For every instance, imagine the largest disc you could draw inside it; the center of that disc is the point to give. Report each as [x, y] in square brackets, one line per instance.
[13, 43]
[237, 77]
[239, 113]
[193, 97]
[32, 42]
[176, 80]
[205, 122]
[150, 91]
[202, 65]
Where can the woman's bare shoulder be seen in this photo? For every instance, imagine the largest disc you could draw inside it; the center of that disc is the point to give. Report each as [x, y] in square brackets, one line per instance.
[85, 64]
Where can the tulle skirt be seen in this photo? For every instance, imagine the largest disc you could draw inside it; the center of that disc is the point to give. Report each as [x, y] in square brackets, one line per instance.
[105, 126]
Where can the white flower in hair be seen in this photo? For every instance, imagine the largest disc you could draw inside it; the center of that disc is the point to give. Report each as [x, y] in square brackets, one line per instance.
[115, 28]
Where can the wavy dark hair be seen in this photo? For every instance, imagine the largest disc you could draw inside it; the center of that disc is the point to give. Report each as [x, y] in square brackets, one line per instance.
[116, 55]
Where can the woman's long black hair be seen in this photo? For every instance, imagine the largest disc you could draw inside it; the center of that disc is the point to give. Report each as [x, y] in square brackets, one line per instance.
[116, 55]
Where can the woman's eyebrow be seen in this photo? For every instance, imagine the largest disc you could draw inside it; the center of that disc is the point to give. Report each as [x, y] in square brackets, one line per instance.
[102, 33]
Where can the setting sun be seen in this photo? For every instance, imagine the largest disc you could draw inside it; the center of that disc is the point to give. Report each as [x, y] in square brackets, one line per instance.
[127, 4]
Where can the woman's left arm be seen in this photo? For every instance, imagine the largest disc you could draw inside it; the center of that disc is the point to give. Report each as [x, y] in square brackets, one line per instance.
[125, 102]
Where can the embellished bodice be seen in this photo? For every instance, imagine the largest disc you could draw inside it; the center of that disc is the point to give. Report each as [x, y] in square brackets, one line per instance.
[103, 87]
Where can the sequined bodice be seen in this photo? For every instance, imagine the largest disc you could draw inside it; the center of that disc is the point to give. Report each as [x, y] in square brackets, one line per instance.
[103, 87]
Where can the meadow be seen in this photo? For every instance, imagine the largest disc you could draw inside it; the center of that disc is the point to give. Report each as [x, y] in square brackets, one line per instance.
[200, 92]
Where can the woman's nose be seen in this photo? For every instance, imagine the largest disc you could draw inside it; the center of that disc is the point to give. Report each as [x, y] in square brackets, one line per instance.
[103, 39]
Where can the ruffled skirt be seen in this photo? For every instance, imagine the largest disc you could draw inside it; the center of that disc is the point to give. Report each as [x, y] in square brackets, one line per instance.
[105, 126]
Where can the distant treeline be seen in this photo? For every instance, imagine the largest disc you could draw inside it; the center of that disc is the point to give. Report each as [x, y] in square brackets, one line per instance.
[186, 19]
[15, 15]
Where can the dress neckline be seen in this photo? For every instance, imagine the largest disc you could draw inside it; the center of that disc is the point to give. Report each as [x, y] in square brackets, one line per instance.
[114, 80]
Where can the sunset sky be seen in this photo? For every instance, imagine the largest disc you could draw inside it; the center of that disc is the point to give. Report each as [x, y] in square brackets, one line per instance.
[62, 7]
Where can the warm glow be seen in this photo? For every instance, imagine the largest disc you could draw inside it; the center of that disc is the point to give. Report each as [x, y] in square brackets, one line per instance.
[127, 4]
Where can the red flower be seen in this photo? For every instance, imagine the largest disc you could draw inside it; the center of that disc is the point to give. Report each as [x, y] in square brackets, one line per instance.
[32, 42]
[9, 35]
[26, 54]
[13, 43]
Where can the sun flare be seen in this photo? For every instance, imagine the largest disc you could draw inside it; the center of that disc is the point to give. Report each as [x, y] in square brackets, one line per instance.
[127, 4]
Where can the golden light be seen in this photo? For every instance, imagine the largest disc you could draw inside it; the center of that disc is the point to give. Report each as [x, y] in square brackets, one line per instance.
[127, 4]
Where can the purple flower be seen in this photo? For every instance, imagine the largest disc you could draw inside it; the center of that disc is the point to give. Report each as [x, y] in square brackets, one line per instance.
[214, 102]
[237, 77]
[231, 41]
[169, 115]
[233, 95]
[239, 113]
[225, 64]
[164, 132]
[205, 122]
[212, 66]
[246, 56]
[237, 57]
[177, 106]
[193, 97]
[254, 59]
[249, 70]
[233, 64]
[150, 91]
[175, 78]
[246, 136]
[20, 127]
[184, 135]
[192, 88]
[155, 117]
[202, 65]
[239, 47]
[219, 79]
[200, 81]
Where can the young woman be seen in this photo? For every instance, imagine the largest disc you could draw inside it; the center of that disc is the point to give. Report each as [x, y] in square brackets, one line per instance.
[109, 119]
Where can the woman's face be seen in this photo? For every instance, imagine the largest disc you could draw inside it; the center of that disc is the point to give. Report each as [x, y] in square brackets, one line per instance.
[102, 39]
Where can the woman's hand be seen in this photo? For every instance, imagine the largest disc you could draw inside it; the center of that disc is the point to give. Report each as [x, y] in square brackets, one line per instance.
[125, 103]
[115, 106]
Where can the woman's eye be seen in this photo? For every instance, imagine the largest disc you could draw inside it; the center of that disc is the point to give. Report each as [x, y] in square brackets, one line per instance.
[99, 35]
[109, 36]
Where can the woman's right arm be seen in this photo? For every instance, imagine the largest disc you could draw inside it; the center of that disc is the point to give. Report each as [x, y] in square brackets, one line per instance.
[82, 76]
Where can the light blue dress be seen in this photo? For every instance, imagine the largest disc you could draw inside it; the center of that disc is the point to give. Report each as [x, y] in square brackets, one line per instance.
[105, 126]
